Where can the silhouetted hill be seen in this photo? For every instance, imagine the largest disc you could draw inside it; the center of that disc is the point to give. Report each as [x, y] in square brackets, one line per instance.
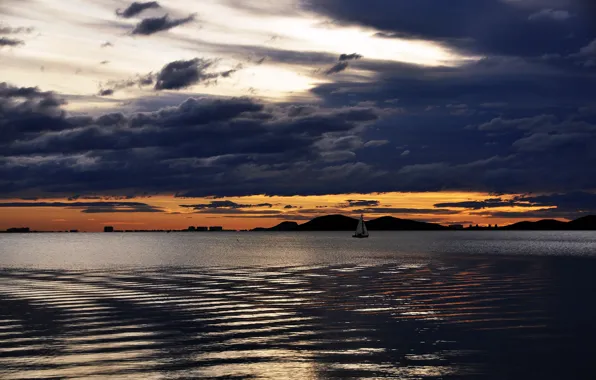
[284, 226]
[584, 223]
[545, 224]
[389, 223]
[345, 223]
[330, 223]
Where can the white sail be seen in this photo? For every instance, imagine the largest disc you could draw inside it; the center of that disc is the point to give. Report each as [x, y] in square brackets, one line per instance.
[361, 229]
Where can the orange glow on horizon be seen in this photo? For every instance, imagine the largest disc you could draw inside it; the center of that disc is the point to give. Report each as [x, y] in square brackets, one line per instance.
[303, 208]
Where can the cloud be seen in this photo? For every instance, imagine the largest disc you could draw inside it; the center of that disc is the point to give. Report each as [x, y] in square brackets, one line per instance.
[110, 87]
[487, 203]
[136, 8]
[227, 205]
[202, 146]
[153, 25]
[362, 203]
[589, 49]
[463, 25]
[375, 143]
[342, 63]
[413, 211]
[11, 42]
[89, 207]
[106, 44]
[337, 68]
[558, 205]
[348, 57]
[181, 74]
[5, 29]
[550, 14]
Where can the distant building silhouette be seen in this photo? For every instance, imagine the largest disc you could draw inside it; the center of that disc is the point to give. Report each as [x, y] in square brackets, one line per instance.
[74, 230]
[215, 228]
[201, 228]
[108, 229]
[18, 229]
[456, 226]
[191, 228]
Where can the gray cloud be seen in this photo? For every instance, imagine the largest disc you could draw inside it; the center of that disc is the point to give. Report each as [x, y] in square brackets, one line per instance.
[106, 92]
[393, 210]
[181, 74]
[362, 203]
[153, 25]
[110, 87]
[136, 8]
[375, 143]
[89, 207]
[228, 205]
[4, 41]
[337, 68]
[348, 57]
[550, 14]
[201, 147]
[487, 203]
[342, 63]
[4, 29]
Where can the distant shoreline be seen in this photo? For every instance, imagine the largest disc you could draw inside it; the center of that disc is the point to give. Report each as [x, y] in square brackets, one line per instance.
[385, 223]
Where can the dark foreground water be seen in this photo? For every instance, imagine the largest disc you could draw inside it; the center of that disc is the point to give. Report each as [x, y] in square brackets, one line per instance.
[440, 305]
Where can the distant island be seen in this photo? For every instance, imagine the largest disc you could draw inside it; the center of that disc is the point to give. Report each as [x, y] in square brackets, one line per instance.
[384, 223]
[389, 223]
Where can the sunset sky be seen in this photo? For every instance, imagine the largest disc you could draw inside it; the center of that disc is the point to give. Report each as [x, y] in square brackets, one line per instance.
[245, 113]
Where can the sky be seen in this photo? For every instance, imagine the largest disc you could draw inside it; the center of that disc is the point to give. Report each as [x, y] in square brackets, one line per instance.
[245, 113]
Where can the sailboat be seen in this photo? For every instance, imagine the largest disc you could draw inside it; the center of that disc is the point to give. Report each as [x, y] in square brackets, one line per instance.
[361, 231]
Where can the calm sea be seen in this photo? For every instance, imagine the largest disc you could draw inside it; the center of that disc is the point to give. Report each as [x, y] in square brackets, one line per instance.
[405, 305]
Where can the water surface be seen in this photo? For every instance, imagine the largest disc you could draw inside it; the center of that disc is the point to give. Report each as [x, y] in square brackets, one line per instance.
[439, 305]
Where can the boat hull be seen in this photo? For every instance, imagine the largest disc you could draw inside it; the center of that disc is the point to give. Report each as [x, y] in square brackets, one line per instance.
[360, 236]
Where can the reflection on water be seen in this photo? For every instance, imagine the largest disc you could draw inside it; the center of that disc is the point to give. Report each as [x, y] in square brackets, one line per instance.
[447, 318]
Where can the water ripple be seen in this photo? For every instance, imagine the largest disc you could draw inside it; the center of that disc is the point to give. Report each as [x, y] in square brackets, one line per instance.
[439, 320]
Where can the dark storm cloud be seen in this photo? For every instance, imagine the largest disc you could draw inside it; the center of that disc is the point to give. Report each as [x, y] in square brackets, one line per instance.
[136, 8]
[568, 205]
[27, 111]
[4, 41]
[496, 27]
[181, 74]
[224, 205]
[106, 92]
[202, 147]
[88, 207]
[153, 25]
